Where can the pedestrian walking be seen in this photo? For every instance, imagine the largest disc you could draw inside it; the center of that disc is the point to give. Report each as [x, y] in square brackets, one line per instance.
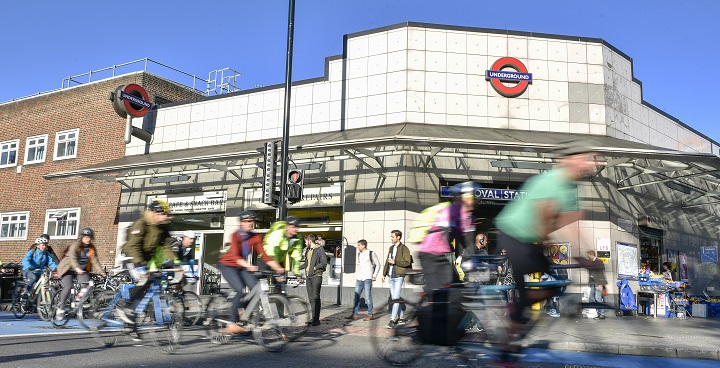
[596, 269]
[369, 267]
[397, 264]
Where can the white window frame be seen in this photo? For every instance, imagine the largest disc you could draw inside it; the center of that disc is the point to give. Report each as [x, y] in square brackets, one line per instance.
[58, 141]
[6, 219]
[28, 146]
[8, 150]
[59, 215]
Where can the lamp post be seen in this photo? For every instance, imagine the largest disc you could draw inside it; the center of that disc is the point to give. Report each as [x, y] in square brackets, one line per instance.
[282, 204]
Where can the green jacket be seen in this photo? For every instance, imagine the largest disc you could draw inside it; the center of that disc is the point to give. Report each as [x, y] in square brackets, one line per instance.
[403, 261]
[278, 246]
[149, 244]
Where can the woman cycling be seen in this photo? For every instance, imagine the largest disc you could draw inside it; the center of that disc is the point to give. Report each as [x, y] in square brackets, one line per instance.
[80, 258]
[36, 258]
[236, 268]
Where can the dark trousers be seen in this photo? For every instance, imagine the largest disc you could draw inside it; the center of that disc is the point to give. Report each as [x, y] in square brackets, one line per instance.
[238, 278]
[67, 282]
[312, 285]
[437, 269]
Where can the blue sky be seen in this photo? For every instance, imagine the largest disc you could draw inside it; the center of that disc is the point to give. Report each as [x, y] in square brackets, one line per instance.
[46, 41]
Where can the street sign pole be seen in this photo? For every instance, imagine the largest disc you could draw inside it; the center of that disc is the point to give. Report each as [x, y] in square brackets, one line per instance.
[282, 205]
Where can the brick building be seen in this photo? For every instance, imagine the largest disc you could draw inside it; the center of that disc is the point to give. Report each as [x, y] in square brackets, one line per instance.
[58, 131]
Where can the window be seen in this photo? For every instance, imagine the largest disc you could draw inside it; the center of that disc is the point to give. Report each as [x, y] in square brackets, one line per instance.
[35, 149]
[66, 144]
[13, 225]
[8, 153]
[62, 223]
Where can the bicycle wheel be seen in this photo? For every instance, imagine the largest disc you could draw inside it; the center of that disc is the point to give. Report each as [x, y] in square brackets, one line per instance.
[167, 333]
[92, 306]
[301, 313]
[44, 306]
[215, 318]
[269, 326]
[56, 305]
[19, 301]
[193, 308]
[401, 344]
[111, 328]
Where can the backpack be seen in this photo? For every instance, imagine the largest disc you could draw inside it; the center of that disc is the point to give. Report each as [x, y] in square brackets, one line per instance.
[424, 222]
[372, 260]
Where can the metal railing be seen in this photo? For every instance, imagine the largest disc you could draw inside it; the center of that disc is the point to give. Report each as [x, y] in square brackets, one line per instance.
[226, 83]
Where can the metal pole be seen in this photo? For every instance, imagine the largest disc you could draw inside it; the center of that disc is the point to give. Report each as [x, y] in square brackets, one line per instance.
[282, 205]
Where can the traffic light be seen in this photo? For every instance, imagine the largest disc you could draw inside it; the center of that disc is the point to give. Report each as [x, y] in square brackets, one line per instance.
[268, 189]
[295, 185]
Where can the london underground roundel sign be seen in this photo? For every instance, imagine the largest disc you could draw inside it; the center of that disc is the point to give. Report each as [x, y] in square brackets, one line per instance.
[131, 99]
[499, 75]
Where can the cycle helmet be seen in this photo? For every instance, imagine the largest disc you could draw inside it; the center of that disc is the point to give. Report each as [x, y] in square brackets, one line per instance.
[464, 188]
[87, 232]
[45, 236]
[292, 221]
[160, 206]
[247, 215]
[41, 241]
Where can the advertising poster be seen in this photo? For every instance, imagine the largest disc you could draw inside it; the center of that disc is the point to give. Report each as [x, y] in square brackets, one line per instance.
[560, 253]
[627, 255]
[683, 266]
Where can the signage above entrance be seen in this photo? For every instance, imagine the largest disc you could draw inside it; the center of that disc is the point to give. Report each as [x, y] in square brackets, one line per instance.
[498, 75]
[489, 193]
[323, 195]
[195, 202]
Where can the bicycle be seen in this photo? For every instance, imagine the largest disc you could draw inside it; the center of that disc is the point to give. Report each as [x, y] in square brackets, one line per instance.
[163, 311]
[85, 296]
[271, 318]
[480, 305]
[39, 298]
[192, 304]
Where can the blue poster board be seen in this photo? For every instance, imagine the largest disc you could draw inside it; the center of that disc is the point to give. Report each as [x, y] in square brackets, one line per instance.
[709, 254]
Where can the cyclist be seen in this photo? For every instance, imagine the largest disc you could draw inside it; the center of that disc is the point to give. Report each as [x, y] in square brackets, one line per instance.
[283, 240]
[81, 257]
[36, 258]
[184, 249]
[236, 269]
[453, 224]
[525, 224]
[148, 246]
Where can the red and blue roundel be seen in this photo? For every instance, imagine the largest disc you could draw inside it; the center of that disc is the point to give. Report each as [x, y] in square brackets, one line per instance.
[498, 75]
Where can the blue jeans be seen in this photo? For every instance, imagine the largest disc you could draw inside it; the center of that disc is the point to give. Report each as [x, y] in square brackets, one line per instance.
[31, 280]
[359, 286]
[396, 284]
[595, 296]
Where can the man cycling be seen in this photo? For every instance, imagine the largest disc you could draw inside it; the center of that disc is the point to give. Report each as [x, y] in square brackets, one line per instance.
[525, 224]
[236, 269]
[184, 248]
[149, 248]
[36, 258]
[283, 240]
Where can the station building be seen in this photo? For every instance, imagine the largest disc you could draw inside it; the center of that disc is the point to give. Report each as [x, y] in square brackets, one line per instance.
[412, 108]
[64, 130]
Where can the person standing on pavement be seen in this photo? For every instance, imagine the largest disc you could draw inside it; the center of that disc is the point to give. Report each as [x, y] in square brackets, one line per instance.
[314, 264]
[397, 264]
[596, 269]
[369, 267]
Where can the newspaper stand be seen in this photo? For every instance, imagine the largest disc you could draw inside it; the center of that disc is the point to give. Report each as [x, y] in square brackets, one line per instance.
[657, 286]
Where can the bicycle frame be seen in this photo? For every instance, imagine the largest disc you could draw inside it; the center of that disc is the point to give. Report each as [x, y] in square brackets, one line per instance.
[259, 293]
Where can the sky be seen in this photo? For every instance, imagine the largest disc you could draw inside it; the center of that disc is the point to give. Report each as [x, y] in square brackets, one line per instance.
[44, 42]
